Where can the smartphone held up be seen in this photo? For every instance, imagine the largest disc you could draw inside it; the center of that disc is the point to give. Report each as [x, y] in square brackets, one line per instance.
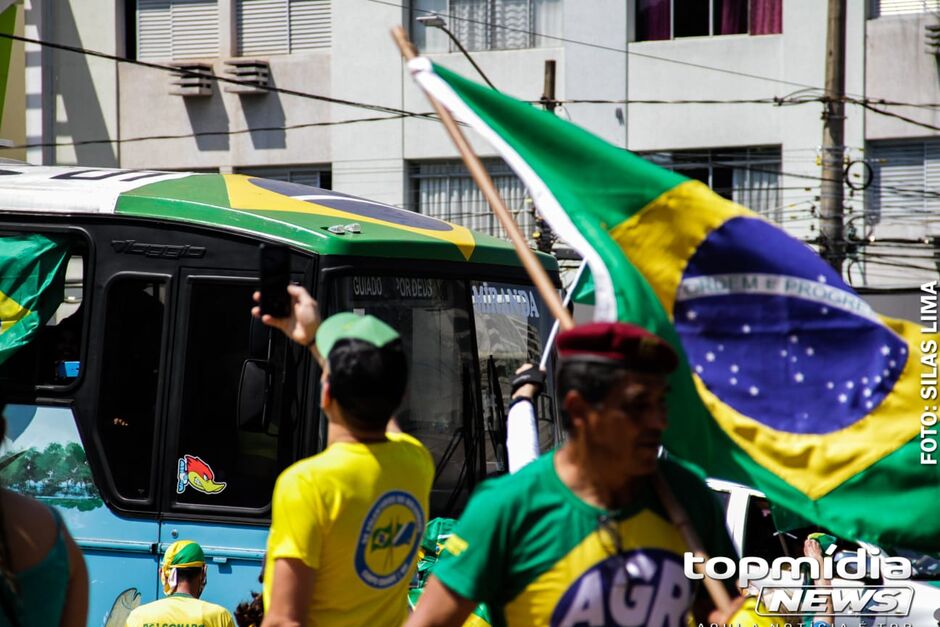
[275, 275]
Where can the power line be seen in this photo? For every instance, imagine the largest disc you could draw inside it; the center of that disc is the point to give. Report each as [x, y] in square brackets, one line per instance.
[241, 131]
[222, 79]
[898, 116]
[774, 100]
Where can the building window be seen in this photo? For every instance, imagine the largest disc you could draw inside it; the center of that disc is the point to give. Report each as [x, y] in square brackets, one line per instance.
[312, 176]
[748, 176]
[905, 179]
[177, 29]
[670, 19]
[488, 24]
[881, 8]
[282, 26]
[445, 190]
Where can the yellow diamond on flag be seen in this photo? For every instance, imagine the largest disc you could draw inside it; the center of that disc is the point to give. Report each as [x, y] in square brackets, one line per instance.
[11, 312]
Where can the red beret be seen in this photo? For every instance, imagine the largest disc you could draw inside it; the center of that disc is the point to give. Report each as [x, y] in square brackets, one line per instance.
[633, 346]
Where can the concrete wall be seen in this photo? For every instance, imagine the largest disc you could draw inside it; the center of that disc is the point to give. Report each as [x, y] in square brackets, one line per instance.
[367, 67]
[85, 105]
[900, 69]
[13, 120]
[597, 71]
[225, 120]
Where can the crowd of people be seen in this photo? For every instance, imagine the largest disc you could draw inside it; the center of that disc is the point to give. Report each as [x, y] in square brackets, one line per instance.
[560, 540]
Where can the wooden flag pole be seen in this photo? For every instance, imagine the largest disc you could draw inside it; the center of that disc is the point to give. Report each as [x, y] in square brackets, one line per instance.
[531, 263]
[679, 517]
[546, 289]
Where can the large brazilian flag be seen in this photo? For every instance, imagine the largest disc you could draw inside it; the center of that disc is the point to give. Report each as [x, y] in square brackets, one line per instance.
[788, 381]
[32, 278]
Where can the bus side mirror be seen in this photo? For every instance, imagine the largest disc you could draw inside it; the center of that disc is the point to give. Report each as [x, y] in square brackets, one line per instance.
[252, 396]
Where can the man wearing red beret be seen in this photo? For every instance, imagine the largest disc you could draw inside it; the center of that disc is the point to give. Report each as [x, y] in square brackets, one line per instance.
[579, 537]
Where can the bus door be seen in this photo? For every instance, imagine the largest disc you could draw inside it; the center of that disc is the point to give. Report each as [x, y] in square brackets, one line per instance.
[233, 396]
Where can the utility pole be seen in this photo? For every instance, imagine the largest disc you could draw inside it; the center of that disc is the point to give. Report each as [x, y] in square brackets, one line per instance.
[544, 238]
[833, 141]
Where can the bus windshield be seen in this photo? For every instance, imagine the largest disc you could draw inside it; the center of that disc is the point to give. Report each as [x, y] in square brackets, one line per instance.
[441, 321]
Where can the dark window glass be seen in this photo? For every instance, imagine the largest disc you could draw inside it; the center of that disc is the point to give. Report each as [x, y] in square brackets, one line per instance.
[766, 17]
[724, 498]
[653, 20]
[760, 534]
[129, 376]
[226, 456]
[730, 17]
[723, 180]
[433, 318]
[691, 18]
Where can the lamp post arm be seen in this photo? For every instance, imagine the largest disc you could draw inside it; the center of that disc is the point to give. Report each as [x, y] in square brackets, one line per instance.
[467, 54]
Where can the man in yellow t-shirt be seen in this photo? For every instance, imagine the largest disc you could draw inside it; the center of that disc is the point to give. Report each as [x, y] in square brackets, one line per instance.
[183, 574]
[346, 523]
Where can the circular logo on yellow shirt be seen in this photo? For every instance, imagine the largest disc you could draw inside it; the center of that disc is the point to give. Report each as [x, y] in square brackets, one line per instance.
[389, 539]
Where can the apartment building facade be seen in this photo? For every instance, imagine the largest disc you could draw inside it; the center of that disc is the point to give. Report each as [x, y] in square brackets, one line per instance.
[753, 70]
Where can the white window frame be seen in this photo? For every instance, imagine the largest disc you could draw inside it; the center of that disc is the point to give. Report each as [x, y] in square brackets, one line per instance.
[491, 26]
[760, 160]
[297, 37]
[631, 20]
[902, 7]
[212, 44]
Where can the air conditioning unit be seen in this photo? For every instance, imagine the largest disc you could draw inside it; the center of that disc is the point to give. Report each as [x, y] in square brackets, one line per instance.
[194, 79]
[253, 73]
[932, 39]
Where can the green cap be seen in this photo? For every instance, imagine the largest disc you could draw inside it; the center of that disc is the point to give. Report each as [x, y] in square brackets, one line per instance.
[824, 539]
[348, 325]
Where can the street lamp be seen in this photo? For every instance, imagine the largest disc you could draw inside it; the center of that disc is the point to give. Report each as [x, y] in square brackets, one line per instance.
[436, 21]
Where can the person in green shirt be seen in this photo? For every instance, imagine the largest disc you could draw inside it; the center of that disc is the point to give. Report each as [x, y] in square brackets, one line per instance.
[183, 575]
[579, 536]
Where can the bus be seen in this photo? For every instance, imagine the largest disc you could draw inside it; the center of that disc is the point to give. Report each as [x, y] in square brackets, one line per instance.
[152, 407]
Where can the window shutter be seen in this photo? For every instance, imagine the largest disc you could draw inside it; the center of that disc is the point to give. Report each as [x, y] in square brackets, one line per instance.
[900, 7]
[899, 178]
[195, 25]
[512, 24]
[932, 176]
[305, 177]
[262, 27]
[153, 30]
[309, 25]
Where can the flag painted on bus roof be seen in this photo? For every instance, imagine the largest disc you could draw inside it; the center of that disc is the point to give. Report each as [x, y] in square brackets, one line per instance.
[788, 382]
[32, 280]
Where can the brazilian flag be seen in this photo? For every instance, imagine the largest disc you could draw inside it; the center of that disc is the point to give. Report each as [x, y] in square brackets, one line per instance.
[32, 280]
[788, 381]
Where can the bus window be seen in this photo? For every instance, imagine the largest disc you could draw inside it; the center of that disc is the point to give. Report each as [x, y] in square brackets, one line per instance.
[220, 459]
[53, 358]
[129, 376]
[432, 316]
[511, 325]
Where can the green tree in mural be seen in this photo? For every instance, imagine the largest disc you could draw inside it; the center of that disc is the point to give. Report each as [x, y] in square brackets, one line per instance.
[58, 473]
